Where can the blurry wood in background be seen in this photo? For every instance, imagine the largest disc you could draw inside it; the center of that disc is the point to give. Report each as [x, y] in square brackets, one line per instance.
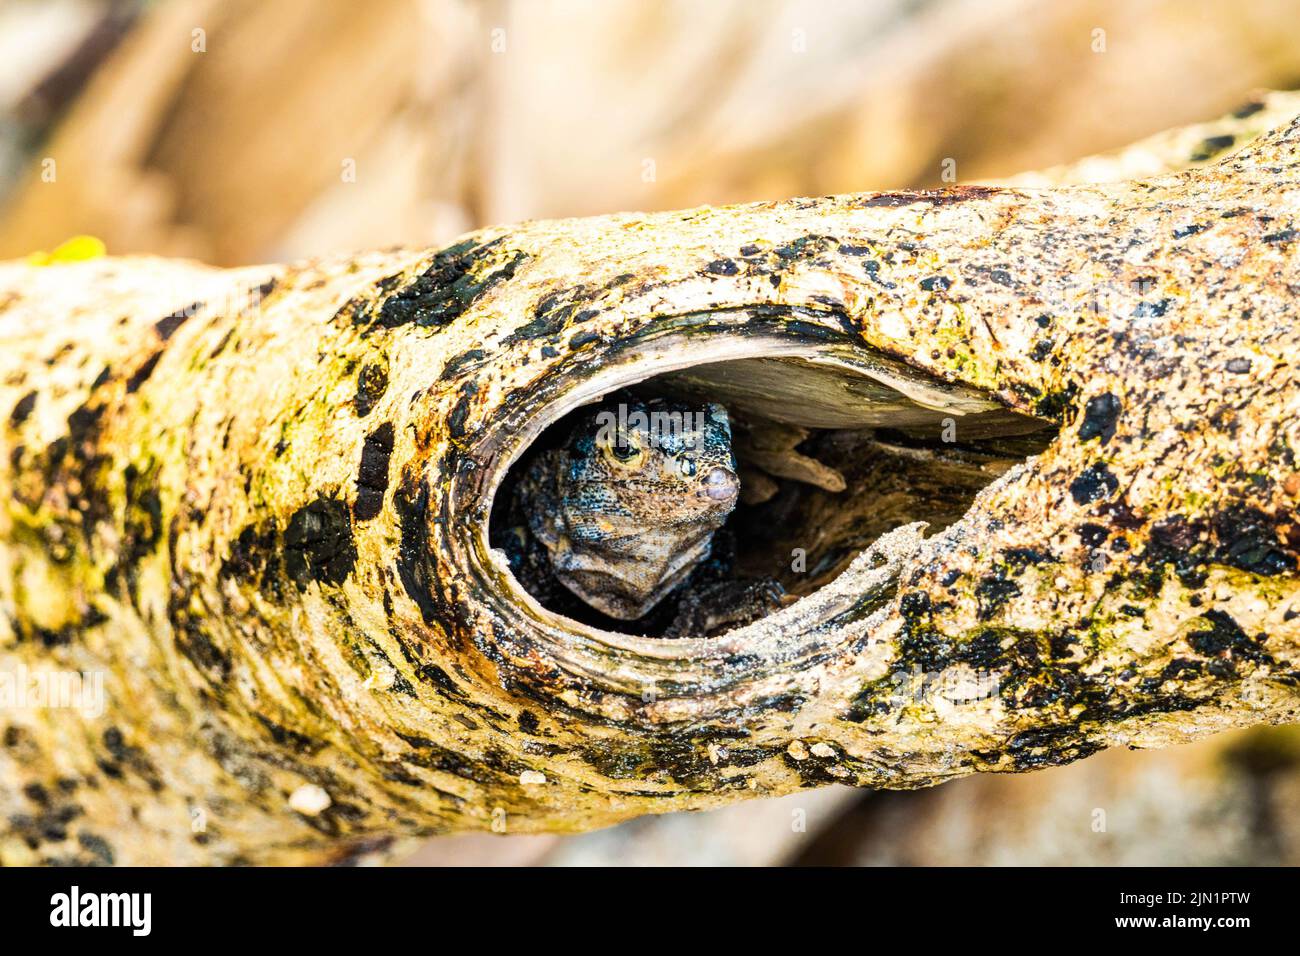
[454, 114]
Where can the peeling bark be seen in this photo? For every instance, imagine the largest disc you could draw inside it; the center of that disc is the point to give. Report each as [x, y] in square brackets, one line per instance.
[256, 501]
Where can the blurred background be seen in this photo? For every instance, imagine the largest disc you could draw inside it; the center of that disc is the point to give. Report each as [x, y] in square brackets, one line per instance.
[244, 131]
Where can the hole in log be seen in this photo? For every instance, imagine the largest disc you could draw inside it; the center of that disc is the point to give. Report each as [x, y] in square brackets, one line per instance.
[830, 452]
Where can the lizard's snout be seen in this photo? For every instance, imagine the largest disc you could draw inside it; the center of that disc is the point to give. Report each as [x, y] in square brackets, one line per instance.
[720, 484]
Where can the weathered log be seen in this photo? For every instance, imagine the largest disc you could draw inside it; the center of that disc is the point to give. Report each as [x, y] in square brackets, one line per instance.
[255, 503]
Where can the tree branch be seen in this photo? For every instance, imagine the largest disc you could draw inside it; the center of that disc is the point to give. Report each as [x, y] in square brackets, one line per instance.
[303, 658]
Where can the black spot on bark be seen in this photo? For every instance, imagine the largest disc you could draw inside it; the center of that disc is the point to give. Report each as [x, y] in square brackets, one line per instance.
[722, 267]
[195, 642]
[1212, 146]
[1286, 235]
[82, 424]
[78, 465]
[253, 558]
[50, 637]
[538, 327]
[805, 247]
[372, 382]
[1179, 543]
[435, 675]
[290, 739]
[142, 526]
[936, 283]
[1051, 747]
[221, 346]
[935, 197]
[22, 409]
[1247, 540]
[993, 591]
[553, 312]
[115, 743]
[99, 849]
[372, 477]
[430, 755]
[1151, 310]
[257, 295]
[166, 326]
[459, 363]
[893, 200]
[1099, 417]
[1095, 484]
[1222, 635]
[458, 276]
[318, 543]
[412, 507]
[1021, 558]
[914, 606]
[37, 794]
[1055, 405]
[460, 414]
[872, 268]
[1093, 535]
[141, 375]
[1238, 366]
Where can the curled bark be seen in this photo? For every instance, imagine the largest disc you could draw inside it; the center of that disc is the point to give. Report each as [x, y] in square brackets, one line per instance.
[256, 502]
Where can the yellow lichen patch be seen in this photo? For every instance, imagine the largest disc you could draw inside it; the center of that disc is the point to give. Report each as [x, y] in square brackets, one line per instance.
[76, 249]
